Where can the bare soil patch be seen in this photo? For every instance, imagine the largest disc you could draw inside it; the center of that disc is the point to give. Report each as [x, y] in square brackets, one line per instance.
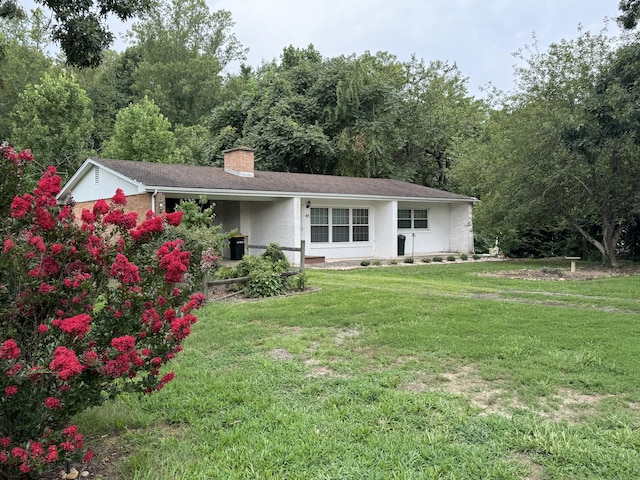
[566, 405]
[565, 274]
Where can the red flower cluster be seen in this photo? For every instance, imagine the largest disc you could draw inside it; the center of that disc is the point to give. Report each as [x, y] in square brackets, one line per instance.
[124, 270]
[147, 228]
[17, 158]
[52, 403]
[21, 206]
[78, 325]
[65, 363]
[174, 219]
[9, 350]
[173, 260]
[181, 326]
[48, 187]
[119, 198]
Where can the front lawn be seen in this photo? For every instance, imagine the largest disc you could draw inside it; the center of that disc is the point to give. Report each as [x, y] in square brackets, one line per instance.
[407, 372]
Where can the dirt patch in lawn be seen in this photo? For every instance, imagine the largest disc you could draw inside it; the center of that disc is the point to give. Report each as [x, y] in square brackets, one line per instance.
[566, 405]
[565, 274]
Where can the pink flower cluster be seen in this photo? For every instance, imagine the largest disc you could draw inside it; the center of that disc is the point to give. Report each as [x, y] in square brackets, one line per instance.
[16, 158]
[209, 261]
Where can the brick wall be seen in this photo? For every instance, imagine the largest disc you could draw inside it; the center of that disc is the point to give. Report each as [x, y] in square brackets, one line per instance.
[135, 203]
[461, 228]
[239, 161]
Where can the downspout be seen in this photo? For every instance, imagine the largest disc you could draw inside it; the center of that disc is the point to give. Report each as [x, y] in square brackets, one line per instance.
[153, 201]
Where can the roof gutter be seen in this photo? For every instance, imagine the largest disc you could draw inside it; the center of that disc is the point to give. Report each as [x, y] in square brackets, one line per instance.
[261, 194]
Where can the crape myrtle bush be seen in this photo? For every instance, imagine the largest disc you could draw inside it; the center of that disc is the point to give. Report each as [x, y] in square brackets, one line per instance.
[89, 308]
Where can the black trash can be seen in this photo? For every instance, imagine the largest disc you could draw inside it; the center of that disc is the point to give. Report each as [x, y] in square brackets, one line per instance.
[401, 240]
[237, 247]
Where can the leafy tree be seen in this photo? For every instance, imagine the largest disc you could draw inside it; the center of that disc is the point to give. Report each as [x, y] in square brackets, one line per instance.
[368, 108]
[100, 85]
[367, 115]
[24, 61]
[438, 114]
[630, 13]
[278, 115]
[81, 27]
[191, 144]
[141, 133]
[561, 151]
[183, 47]
[124, 77]
[54, 119]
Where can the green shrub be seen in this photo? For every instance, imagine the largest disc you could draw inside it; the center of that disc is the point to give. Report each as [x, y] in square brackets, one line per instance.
[265, 281]
[426, 260]
[436, 259]
[264, 273]
[275, 254]
[476, 256]
[451, 258]
[299, 282]
[463, 256]
[376, 263]
[365, 263]
[393, 262]
[408, 260]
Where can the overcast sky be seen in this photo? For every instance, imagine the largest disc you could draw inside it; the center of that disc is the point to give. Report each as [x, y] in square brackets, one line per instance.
[478, 35]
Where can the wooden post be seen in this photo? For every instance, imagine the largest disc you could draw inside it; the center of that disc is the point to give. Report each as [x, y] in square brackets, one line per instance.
[302, 254]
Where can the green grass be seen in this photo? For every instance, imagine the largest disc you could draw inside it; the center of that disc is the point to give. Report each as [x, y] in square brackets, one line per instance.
[407, 372]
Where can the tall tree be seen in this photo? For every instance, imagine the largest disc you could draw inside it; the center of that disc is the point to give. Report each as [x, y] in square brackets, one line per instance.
[141, 133]
[564, 148]
[630, 13]
[183, 49]
[24, 61]
[438, 114]
[369, 106]
[53, 118]
[81, 27]
[100, 85]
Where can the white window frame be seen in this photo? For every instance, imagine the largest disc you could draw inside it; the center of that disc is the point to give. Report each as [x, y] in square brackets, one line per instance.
[413, 219]
[354, 223]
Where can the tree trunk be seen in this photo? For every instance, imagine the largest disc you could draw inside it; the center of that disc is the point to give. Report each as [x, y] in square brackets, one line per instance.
[610, 236]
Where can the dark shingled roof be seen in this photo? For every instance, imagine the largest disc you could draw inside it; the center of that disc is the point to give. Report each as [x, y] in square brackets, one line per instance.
[212, 178]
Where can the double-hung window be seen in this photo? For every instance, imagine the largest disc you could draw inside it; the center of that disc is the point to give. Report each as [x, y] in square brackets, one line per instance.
[417, 219]
[339, 225]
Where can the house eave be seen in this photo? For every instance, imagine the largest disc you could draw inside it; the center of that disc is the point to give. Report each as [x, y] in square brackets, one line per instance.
[84, 168]
[269, 195]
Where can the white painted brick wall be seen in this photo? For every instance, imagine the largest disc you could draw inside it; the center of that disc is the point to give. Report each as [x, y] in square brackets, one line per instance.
[461, 228]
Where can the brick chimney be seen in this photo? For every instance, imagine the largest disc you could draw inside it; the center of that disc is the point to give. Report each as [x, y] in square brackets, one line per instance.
[239, 161]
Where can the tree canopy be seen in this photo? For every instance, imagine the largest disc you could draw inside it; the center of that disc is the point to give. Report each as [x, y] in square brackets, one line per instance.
[54, 119]
[630, 10]
[562, 151]
[141, 133]
[81, 27]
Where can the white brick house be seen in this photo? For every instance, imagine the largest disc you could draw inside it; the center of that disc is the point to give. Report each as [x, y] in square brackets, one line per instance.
[338, 217]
